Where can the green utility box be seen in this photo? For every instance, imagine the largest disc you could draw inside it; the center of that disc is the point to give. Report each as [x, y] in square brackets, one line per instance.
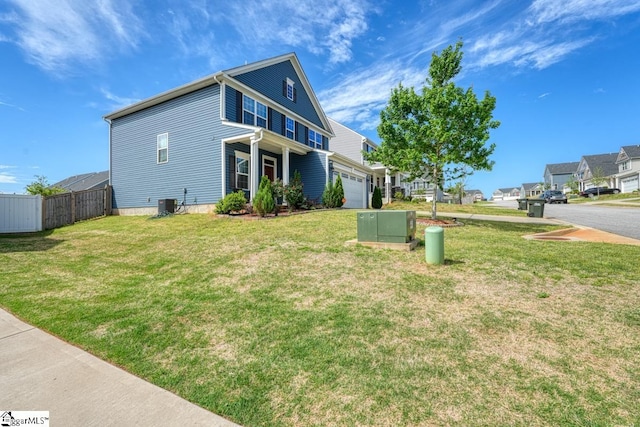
[536, 209]
[386, 226]
[522, 204]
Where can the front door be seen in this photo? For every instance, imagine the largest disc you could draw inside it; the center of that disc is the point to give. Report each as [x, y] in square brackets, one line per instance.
[269, 167]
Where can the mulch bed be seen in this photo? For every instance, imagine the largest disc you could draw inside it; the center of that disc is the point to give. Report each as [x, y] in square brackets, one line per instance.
[439, 222]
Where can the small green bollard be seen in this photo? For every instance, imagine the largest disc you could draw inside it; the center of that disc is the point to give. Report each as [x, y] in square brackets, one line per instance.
[434, 245]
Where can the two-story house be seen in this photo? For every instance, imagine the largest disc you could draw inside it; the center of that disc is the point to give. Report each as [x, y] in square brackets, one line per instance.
[628, 162]
[531, 189]
[507, 193]
[210, 137]
[595, 165]
[557, 175]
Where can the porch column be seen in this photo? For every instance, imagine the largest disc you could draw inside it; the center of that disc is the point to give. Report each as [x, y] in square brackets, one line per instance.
[285, 165]
[387, 185]
[255, 168]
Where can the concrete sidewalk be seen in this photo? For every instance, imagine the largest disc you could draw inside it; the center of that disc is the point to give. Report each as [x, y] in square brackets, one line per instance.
[497, 218]
[39, 372]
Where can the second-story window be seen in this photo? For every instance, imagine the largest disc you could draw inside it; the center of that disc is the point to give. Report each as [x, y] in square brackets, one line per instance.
[315, 139]
[290, 128]
[254, 113]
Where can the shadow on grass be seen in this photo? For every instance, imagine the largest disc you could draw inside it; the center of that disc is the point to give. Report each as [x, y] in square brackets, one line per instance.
[28, 242]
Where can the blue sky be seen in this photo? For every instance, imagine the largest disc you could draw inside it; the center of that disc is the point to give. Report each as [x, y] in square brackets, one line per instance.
[565, 73]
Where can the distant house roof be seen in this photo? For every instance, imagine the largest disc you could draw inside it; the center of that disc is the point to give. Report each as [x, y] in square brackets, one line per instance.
[628, 152]
[530, 185]
[562, 168]
[606, 162]
[86, 181]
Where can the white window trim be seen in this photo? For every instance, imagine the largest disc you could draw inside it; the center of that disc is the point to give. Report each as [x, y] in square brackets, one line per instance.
[254, 113]
[290, 84]
[166, 137]
[275, 165]
[286, 127]
[247, 157]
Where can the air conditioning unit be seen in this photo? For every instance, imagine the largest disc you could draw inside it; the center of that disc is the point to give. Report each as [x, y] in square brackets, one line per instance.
[166, 205]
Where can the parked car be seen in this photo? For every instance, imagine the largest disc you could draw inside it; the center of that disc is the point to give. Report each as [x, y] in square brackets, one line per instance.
[594, 191]
[554, 196]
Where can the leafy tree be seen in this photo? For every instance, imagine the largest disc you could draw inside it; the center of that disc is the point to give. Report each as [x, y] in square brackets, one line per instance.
[598, 178]
[376, 198]
[573, 184]
[457, 189]
[41, 186]
[440, 134]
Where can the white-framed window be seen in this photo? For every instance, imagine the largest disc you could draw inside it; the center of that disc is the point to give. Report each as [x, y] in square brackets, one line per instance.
[162, 141]
[626, 165]
[253, 112]
[315, 139]
[242, 170]
[290, 128]
[290, 89]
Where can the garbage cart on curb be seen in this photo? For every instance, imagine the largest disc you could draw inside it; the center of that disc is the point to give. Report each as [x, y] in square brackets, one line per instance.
[522, 204]
[536, 208]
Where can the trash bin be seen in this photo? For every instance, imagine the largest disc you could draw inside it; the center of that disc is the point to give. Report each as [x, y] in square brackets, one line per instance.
[536, 208]
[522, 204]
[434, 245]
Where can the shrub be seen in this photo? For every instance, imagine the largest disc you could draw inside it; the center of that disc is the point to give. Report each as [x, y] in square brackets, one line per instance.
[327, 195]
[293, 192]
[233, 202]
[263, 202]
[398, 195]
[376, 199]
[338, 193]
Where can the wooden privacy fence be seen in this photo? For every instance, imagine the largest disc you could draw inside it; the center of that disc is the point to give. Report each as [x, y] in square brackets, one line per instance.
[67, 208]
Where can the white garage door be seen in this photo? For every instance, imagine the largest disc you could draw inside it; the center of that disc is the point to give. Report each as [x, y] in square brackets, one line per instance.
[629, 184]
[354, 190]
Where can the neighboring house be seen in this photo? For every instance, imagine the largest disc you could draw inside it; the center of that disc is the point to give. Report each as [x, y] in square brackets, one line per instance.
[628, 162]
[557, 175]
[87, 181]
[508, 193]
[604, 163]
[219, 134]
[531, 189]
[473, 195]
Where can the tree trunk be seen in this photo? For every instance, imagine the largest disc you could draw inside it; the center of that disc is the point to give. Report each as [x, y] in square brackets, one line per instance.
[435, 193]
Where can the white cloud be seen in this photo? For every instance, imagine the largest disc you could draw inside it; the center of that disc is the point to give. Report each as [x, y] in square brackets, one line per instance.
[57, 33]
[321, 27]
[117, 102]
[568, 11]
[6, 104]
[544, 95]
[6, 178]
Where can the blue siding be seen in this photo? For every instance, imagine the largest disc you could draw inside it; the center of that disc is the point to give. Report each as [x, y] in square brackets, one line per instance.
[312, 168]
[230, 104]
[230, 150]
[268, 81]
[195, 132]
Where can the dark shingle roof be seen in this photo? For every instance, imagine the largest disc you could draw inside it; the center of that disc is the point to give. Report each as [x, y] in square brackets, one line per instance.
[606, 162]
[632, 151]
[563, 168]
[85, 181]
[529, 185]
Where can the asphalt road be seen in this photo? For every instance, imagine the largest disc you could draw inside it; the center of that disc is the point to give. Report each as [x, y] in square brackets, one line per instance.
[623, 221]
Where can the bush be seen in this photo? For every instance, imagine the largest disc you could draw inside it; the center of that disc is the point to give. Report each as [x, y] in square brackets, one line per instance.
[264, 201]
[338, 193]
[398, 195]
[293, 192]
[333, 194]
[376, 199]
[233, 202]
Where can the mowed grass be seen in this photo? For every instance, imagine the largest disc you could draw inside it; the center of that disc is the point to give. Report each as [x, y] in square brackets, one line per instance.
[483, 208]
[278, 323]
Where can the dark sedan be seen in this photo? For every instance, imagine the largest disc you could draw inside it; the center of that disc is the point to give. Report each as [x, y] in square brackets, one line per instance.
[595, 191]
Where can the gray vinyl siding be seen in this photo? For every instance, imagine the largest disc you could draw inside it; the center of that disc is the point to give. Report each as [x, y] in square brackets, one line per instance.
[312, 168]
[194, 157]
[268, 81]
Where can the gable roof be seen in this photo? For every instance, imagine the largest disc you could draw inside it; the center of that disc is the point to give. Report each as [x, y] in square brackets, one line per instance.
[506, 190]
[530, 185]
[229, 75]
[628, 152]
[606, 162]
[85, 181]
[562, 168]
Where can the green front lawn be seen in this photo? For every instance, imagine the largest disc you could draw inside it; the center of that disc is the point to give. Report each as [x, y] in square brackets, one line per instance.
[278, 323]
[483, 208]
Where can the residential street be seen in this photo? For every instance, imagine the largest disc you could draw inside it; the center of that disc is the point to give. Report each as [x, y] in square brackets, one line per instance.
[624, 220]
